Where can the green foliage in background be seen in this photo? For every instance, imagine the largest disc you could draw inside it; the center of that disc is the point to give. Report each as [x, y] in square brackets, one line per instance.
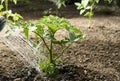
[4, 11]
[59, 4]
[86, 7]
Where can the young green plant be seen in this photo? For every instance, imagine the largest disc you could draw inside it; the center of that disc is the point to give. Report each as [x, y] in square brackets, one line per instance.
[86, 8]
[45, 29]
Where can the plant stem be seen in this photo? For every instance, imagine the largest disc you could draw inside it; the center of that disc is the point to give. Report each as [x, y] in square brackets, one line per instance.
[91, 14]
[50, 54]
[49, 49]
[6, 6]
[43, 41]
[90, 17]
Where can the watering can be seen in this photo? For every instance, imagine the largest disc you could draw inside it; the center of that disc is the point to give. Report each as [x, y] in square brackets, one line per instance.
[2, 22]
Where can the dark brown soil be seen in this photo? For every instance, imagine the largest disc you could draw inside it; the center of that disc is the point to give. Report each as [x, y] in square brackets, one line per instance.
[95, 58]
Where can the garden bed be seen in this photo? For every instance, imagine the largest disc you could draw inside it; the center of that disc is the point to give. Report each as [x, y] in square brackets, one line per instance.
[95, 58]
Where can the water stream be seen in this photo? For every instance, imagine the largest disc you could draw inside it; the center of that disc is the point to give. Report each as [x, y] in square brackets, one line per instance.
[17, 42]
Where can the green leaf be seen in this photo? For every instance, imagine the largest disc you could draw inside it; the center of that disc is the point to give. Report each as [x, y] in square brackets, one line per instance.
[65, 40]
[15, 1]
[2, 1]
[26, 31]
[97, 1]
[53, 27]
[109, 1]
[88, 7]
[39, 30]
[15, 18]
[76, 30]
[72, 35]
[85, 3]
[59, 5]
[77, 4]
[1, 7]
[82, 11]
[89, 14]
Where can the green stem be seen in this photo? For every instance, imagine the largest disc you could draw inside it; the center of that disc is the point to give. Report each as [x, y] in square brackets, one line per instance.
[57, 12]
[43, 41]
[90, 16]
[6, 7]
[50, 54]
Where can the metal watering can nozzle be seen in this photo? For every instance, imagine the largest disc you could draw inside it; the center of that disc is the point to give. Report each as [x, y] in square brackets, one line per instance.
[2, 22]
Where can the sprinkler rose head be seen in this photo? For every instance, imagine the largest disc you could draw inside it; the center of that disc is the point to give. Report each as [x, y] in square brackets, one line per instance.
[2, 22]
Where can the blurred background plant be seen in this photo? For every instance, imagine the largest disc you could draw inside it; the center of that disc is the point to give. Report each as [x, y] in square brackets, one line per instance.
[87, 7]
[4, 11]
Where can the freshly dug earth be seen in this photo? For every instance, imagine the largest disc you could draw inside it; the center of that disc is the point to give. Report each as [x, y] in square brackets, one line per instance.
[95, 58]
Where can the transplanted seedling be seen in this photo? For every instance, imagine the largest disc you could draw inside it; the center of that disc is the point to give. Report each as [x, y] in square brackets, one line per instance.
[45, 30]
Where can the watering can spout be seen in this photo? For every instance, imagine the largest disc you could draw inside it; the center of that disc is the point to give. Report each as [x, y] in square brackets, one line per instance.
[2, 22]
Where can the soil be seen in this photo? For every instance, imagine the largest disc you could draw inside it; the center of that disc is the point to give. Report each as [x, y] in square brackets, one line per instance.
[95, 58]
